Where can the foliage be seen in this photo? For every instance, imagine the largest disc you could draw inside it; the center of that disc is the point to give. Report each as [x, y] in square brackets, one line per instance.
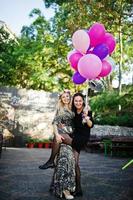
[30, 139]
[106, 108]
[38, 60]
[7, 60]
[115, 15]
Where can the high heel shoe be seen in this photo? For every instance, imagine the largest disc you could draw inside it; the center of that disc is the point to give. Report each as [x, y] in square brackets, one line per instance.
[67, 195]
[47, 165]
[78, 193]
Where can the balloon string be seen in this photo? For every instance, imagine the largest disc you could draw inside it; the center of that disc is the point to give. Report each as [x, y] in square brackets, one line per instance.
[86, 99]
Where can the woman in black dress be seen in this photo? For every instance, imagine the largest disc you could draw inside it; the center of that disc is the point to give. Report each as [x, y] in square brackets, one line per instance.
[83, 122]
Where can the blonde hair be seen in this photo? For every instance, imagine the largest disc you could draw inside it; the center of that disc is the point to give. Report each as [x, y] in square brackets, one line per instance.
[60, 104]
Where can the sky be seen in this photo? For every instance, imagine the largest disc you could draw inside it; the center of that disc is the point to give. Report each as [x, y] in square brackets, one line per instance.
[15, 13]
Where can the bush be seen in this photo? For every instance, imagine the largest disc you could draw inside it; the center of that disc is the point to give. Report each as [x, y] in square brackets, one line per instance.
[120, 120]
[106, 108]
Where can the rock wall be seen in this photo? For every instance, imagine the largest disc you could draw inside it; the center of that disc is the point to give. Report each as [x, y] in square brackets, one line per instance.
[34, 111]
[107, 130]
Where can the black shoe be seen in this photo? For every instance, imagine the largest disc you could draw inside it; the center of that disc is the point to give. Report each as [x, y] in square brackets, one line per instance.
[78, 193]
[47, 165]
[51, 189]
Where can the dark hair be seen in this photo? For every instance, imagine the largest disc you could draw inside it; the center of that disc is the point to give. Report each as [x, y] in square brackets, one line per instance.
[75, 95]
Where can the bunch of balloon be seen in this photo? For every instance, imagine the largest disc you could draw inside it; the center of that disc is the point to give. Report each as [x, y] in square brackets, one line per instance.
[90, 57]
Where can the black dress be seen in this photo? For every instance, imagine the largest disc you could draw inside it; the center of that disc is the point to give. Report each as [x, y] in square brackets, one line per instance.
[81, 133]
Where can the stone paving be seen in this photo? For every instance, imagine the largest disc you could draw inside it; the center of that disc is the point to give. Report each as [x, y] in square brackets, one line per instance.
[102, 177]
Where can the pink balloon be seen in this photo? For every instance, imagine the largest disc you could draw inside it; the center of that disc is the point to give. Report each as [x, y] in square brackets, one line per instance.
[106, 69]
[81, 41]
[109, 40]
[96, 33]
[89, 66]
[74, 59]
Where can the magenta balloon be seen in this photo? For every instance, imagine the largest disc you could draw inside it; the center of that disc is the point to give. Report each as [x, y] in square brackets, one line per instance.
[77, 78]
[96, 33]
[74, 59]
[89, 66]
[101, 50]
[111, 61]
[97, 78]
[106, 69]
[81, 40]
[70, 53]
[109, 40]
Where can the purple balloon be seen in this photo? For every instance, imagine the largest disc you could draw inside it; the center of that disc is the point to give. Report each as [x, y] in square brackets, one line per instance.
[77, 78]
[101, 50]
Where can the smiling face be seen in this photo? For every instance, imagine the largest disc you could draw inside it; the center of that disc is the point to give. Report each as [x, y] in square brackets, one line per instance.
[78, 102]
[65, 98]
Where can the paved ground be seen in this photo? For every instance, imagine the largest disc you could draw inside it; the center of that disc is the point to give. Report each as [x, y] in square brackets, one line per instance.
[102, 177]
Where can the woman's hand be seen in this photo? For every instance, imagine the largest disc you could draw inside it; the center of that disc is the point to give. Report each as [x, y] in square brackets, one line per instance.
[88, 121]
[85, 115]
[59, 138]
[85, 112]
[61, 125]
[86, 118]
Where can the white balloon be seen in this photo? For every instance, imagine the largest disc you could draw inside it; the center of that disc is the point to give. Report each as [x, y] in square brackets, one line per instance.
[81, 41]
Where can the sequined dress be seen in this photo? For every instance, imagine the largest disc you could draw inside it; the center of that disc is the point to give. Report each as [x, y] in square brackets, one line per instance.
[64, 173]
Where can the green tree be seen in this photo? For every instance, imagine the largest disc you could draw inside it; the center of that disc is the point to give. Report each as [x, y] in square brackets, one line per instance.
[39, 51]
[7, 60]
[39, 60]
[115, 15]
